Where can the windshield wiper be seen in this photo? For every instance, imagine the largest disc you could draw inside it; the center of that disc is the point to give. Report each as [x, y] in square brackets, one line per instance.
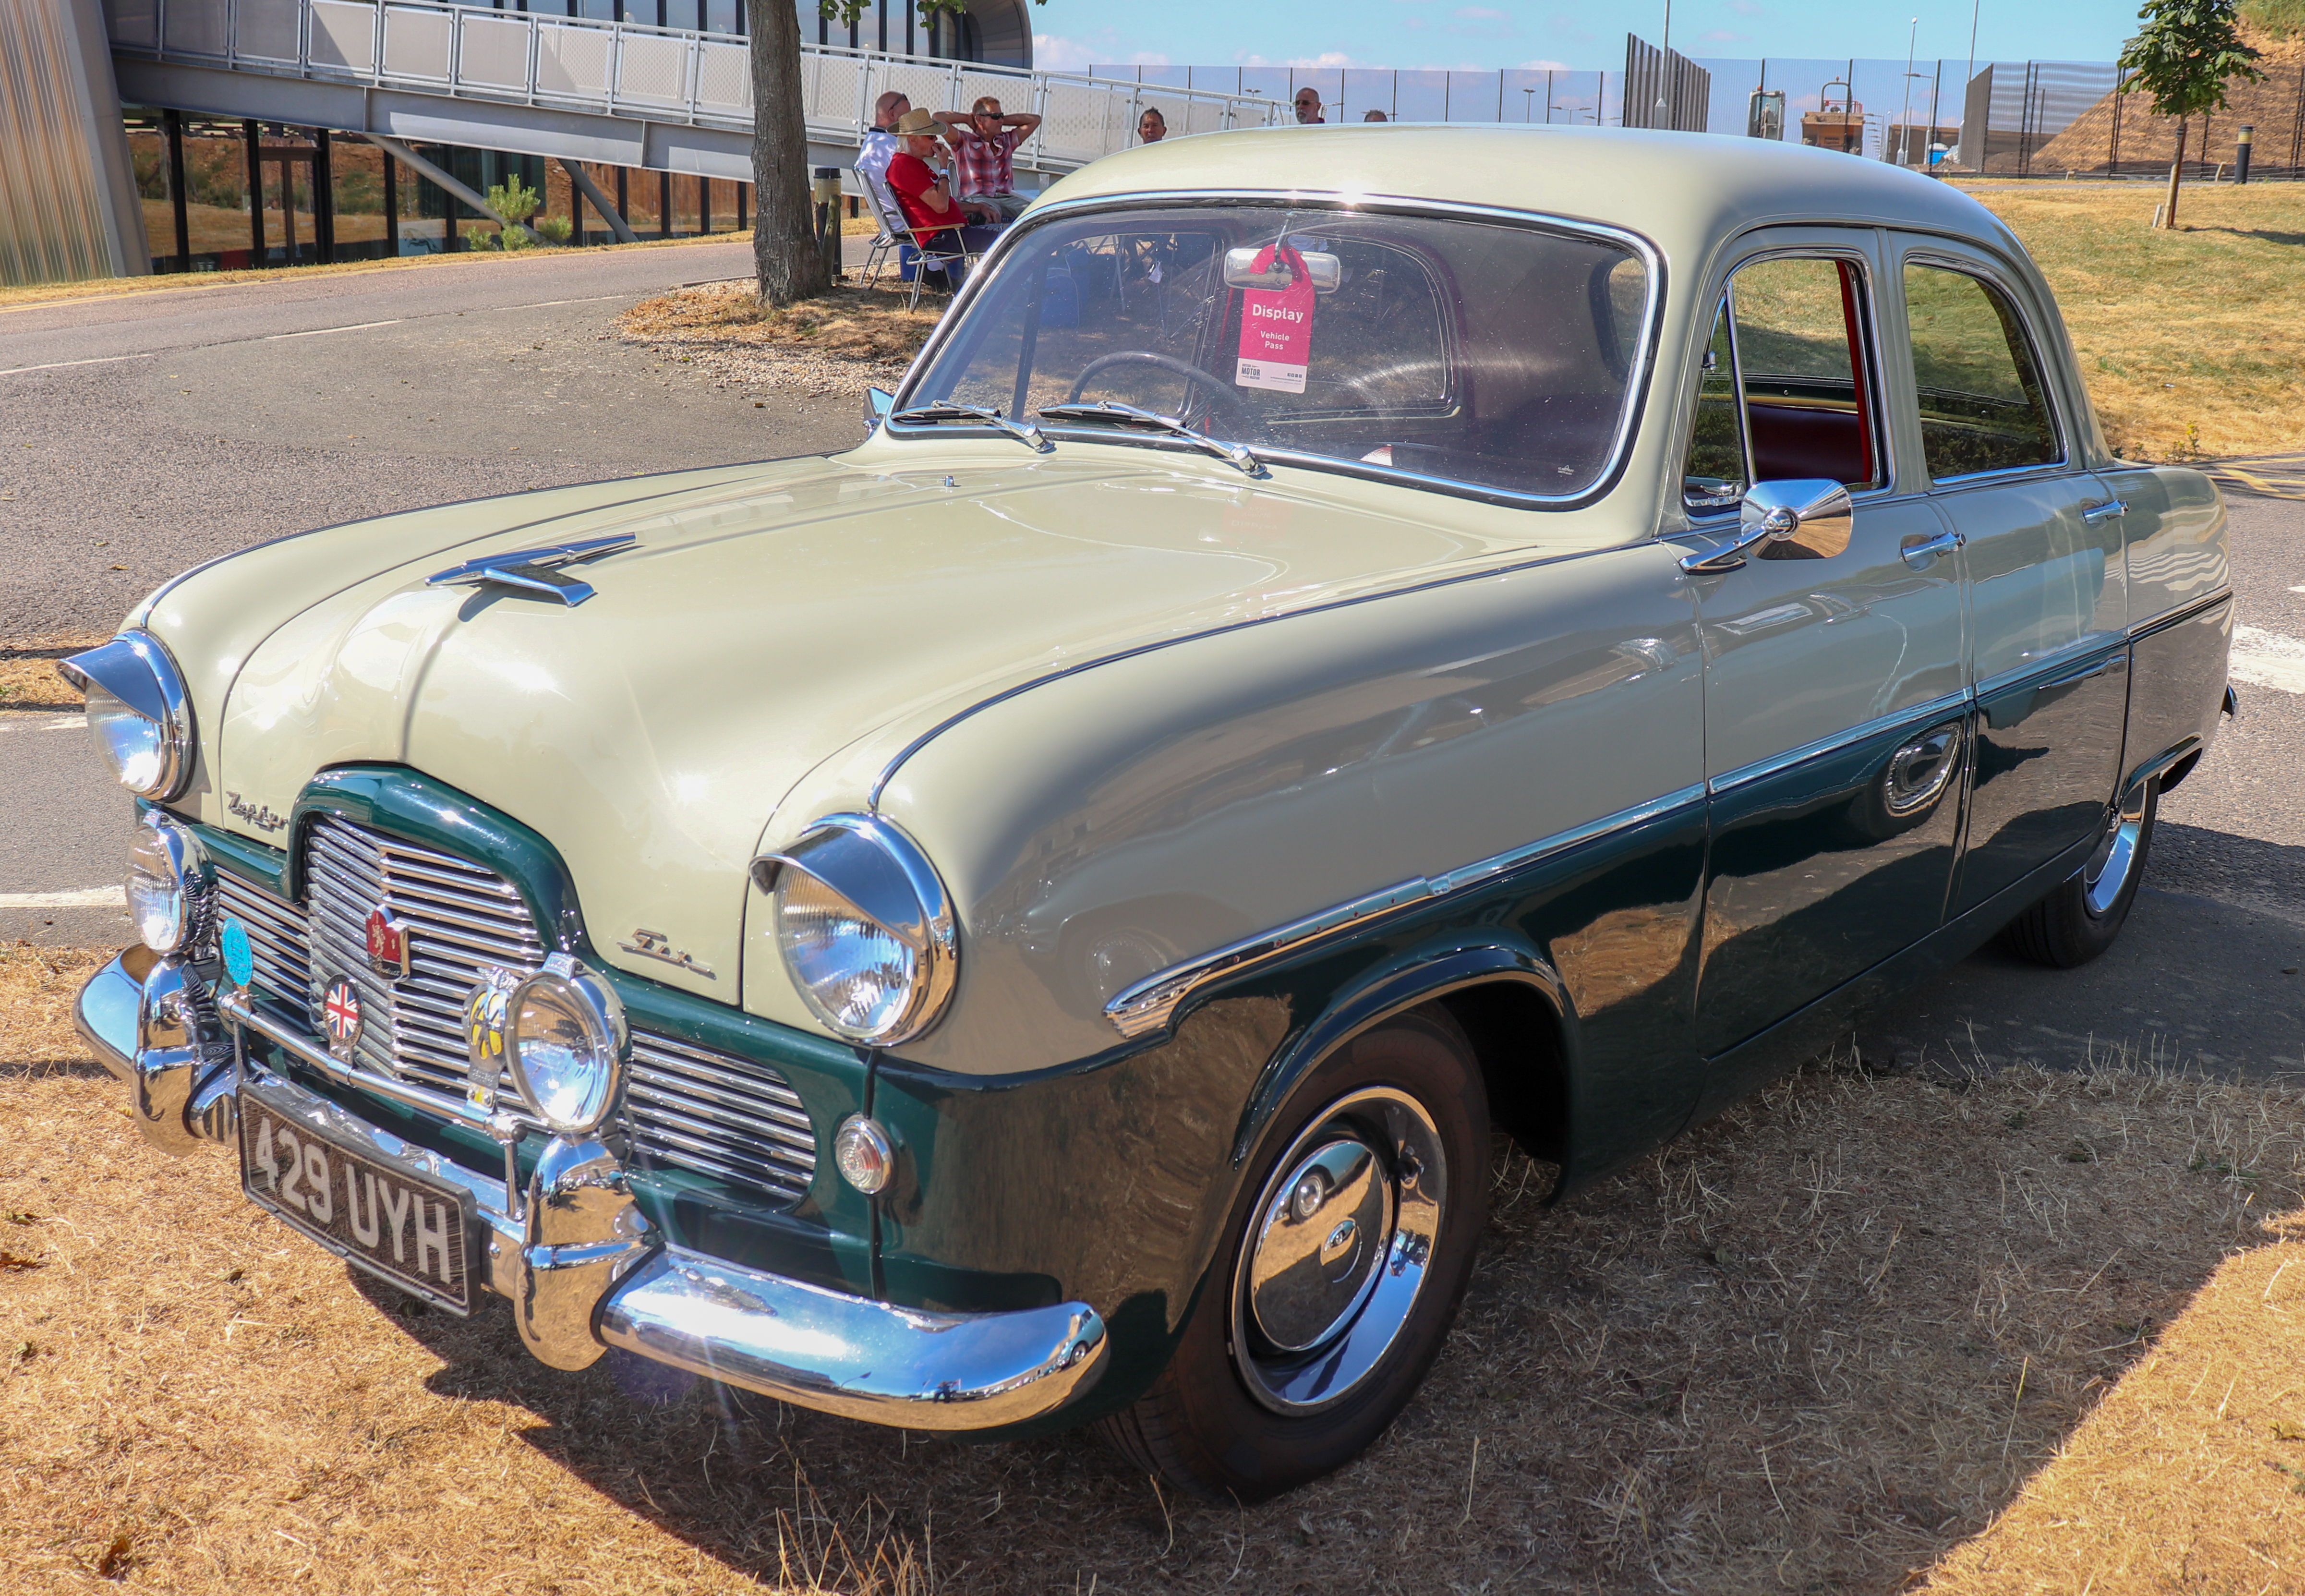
[1104, 410]
[952, 410]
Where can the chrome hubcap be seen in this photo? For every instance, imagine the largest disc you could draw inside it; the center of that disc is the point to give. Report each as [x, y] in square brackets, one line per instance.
[2107, 872]
[1337, 1249]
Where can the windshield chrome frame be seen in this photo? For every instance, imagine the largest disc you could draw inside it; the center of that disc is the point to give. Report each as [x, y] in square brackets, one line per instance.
[1640, 364]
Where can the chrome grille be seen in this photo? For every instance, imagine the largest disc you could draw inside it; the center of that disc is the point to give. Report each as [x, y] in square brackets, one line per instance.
[463, 920]
[276, 936]
[686, 1106]
[719, 1115]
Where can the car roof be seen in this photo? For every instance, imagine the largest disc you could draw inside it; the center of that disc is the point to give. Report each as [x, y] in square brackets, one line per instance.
[1683, 191]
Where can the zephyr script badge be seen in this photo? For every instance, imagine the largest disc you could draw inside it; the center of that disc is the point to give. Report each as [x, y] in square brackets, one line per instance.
[258, 815]
[656, 944]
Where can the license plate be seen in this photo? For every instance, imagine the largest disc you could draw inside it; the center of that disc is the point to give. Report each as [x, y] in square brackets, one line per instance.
[402, 1228]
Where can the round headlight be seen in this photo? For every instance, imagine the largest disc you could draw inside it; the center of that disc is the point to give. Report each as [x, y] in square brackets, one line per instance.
[167, 885]
[565, 1046]
[863, 924]
[138, 712]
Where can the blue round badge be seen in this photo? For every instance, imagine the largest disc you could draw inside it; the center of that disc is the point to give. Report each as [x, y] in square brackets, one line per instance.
[239, 957]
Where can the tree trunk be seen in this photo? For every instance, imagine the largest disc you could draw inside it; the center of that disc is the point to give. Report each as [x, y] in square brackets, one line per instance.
[2169, 211]
[785, 257]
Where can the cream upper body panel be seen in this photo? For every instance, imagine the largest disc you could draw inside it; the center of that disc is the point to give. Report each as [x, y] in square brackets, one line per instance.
[764, 624]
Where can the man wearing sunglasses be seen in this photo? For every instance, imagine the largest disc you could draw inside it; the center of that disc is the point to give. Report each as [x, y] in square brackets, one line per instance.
[984, 145]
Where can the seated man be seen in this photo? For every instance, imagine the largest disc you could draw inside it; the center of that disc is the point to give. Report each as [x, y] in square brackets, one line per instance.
[935, 216]
[878, 148]
[984, 142]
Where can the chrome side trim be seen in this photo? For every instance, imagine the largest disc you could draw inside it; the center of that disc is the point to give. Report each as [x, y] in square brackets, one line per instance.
[2059, 658]
[1149, 1005]
[1637, 363]
[2142, 630]
[1760, 770]
[847, 1355]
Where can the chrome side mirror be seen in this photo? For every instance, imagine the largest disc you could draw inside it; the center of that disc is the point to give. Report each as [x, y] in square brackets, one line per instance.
[1811, 518]
[878, 403]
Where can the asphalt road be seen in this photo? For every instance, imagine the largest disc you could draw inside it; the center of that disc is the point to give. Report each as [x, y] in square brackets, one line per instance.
[213, 420]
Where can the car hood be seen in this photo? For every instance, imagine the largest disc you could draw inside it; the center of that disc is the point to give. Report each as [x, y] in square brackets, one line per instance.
[762, 623]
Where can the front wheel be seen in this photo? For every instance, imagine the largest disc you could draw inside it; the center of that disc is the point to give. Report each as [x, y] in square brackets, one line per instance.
[1342, 1266]
[2083, 914]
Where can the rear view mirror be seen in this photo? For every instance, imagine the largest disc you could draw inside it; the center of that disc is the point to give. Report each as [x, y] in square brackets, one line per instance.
[1240, 271]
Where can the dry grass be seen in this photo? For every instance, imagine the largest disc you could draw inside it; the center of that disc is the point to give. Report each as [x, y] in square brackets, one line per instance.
[28, 678]
[1821, 1344]
[2192, 342]
[844, 341]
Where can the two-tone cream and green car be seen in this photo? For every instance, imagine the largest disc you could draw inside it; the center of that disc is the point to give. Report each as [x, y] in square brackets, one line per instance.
[1348, 640]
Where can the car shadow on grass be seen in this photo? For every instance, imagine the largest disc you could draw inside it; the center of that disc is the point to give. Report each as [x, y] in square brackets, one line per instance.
[1814, 1345]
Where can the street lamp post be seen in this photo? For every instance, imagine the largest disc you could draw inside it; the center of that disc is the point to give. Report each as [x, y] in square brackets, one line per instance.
[1904, 111]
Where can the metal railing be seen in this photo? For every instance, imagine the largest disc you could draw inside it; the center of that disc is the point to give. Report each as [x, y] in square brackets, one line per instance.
[634, 70]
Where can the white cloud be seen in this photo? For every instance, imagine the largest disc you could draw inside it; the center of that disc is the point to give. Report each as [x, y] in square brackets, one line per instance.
[1327, 60]
[1545, 66]
[1055, 53]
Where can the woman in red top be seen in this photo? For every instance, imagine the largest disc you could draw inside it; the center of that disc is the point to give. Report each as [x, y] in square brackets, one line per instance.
[923, 195]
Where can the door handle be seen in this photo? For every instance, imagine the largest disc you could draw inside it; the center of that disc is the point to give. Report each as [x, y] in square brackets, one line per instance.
[1921, 555]
[2098, 514]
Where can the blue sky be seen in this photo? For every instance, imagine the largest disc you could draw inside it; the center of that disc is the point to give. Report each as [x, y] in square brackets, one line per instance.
[1489, 34]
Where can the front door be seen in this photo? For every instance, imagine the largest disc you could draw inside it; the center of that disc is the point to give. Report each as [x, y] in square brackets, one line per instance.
[1836, 703]
[2048, 611]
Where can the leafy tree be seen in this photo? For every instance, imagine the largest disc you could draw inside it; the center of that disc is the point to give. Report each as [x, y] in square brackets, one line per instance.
[2184, 57]
[785, 258]
[515, 202]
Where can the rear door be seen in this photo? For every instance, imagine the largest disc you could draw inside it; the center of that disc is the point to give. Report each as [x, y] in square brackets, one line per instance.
[2048, 614]
[1835, 688]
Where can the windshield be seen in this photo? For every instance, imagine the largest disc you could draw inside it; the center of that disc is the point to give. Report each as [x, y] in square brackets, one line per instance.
[1494, 355]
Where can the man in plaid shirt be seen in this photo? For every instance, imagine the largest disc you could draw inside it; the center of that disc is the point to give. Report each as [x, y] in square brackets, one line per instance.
[984, 143]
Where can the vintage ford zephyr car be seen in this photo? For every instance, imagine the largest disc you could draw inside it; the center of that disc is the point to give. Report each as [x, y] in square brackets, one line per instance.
[1348, 640]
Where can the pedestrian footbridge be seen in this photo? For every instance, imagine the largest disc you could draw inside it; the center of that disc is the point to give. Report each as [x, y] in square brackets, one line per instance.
[574, 88]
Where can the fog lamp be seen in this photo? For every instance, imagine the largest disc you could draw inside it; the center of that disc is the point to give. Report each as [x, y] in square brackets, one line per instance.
[167, 885]
[566, 1045]
[860, 1150]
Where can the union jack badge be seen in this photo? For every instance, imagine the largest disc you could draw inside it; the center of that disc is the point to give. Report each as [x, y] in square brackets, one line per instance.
[341, 1015]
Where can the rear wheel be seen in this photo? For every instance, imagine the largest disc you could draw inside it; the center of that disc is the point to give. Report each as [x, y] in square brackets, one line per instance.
[1340, 1274]
[2083, 914]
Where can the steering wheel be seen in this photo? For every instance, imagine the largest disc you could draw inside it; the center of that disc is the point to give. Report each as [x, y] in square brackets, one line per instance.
[1243, 423]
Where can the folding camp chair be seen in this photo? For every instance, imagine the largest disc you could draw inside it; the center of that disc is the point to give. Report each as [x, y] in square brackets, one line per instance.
[926, 257]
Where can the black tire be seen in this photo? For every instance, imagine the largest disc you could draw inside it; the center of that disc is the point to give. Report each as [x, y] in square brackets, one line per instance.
[2083, 914]
[1203, 1427]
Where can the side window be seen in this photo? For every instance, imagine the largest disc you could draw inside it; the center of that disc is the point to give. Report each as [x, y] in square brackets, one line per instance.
[1786, 392]
[1978, 391]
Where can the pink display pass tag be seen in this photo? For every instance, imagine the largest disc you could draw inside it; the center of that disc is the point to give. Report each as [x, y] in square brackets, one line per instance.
[1276, 327]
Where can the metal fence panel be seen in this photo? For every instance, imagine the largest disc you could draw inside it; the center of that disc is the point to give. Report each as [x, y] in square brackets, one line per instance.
[266, 31]
[196, 30]
[724, 79]
[493, 53]
[416, 43]
[652, 69]
[136, 24]
[572, 62]
[343, 35]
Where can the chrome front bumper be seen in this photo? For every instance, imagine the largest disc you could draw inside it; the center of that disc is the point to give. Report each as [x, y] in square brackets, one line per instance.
[581, 1268]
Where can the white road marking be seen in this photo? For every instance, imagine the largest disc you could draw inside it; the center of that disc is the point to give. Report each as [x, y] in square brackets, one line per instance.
[2264, 658]
[92, 897]
[316, 332]
[102, 359]
[67, 723]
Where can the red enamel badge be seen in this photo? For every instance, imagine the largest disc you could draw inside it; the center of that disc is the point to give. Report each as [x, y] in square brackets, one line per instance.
[387, 945]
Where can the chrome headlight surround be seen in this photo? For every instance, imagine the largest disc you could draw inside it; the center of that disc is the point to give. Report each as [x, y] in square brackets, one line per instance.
[566, 1043]
[168, 887]
[138, 713]
[865, 927]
